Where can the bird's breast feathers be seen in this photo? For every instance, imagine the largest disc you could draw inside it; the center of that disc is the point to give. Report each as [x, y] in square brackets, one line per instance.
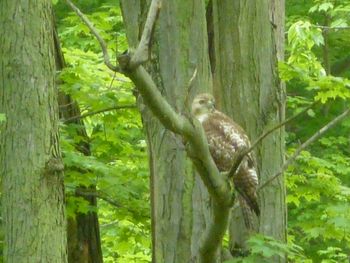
[219, 125]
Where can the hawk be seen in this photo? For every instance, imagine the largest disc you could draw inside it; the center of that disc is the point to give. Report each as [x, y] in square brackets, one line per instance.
[225, 138]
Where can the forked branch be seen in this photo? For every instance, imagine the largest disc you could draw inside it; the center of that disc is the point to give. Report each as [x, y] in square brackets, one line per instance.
[190, 129]
[143, 50]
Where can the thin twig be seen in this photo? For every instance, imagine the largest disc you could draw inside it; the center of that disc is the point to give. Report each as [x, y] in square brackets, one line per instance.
[237, 159]
[96, 34]
[66, 105]
[332, 27]
[112, 81]
[189, 88]
[107, 198]
[240, 154]
[261, 137]
[99, 111]
[98, 195]
[313, 138]
[192, 78]
[116, 222]
[142, 52]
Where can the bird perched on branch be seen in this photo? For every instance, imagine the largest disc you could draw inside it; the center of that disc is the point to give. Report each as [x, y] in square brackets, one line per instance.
[225, 139]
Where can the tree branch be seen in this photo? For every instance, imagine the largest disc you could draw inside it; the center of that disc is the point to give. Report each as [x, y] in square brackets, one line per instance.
[187, 102]
[332, 28]
[261, 137]
[96, 34]
[198, 150]
[78, 117]
[143, 50]
[99, 195]
[84, 192]
[313, 138]
[214, 234]
[189, 128]
[116, 222]
[241, 153]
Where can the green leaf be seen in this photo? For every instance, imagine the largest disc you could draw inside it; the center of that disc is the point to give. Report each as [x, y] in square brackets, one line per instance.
[311, 113]
[339, 23]
[325, 7]
[2, 117]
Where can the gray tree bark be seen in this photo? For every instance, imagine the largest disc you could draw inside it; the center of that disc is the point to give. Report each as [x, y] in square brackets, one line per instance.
[30, 158]
[180, 202]
[248, 37]
[83, 231]
[245, 74]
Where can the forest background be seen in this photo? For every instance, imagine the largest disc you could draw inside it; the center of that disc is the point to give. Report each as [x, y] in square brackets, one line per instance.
[316, 71]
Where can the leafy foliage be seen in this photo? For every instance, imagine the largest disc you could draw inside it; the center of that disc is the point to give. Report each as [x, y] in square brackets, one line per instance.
[264, 248]
[318, 184]
[316, 70]
[117, 165]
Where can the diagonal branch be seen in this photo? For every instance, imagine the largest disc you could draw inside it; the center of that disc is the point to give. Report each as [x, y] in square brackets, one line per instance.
[306, 144]
[78, 117]
[240, 154]
[326, 28]
[96, 34]
[261, 137]
[189, 88]
[99, 195]
[190, 129]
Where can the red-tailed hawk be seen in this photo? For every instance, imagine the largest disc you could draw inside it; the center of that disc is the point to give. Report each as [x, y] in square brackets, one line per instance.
[225, 138]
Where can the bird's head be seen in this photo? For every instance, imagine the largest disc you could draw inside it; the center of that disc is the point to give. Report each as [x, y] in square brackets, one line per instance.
[203, 104]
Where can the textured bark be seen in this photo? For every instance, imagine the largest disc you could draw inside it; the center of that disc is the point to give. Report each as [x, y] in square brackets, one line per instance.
[180, 202]
[84, 242]
[30, 159]
[248, 43]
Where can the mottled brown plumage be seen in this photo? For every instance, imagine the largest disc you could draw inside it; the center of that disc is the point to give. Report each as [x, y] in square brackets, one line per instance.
[225, 138]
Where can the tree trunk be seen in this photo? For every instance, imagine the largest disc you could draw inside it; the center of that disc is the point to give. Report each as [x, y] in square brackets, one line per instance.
[30, 159]
[84, 242]
[248, 44]
[180, 202]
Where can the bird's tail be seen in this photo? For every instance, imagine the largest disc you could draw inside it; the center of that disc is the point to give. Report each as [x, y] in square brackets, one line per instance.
[247, 213]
